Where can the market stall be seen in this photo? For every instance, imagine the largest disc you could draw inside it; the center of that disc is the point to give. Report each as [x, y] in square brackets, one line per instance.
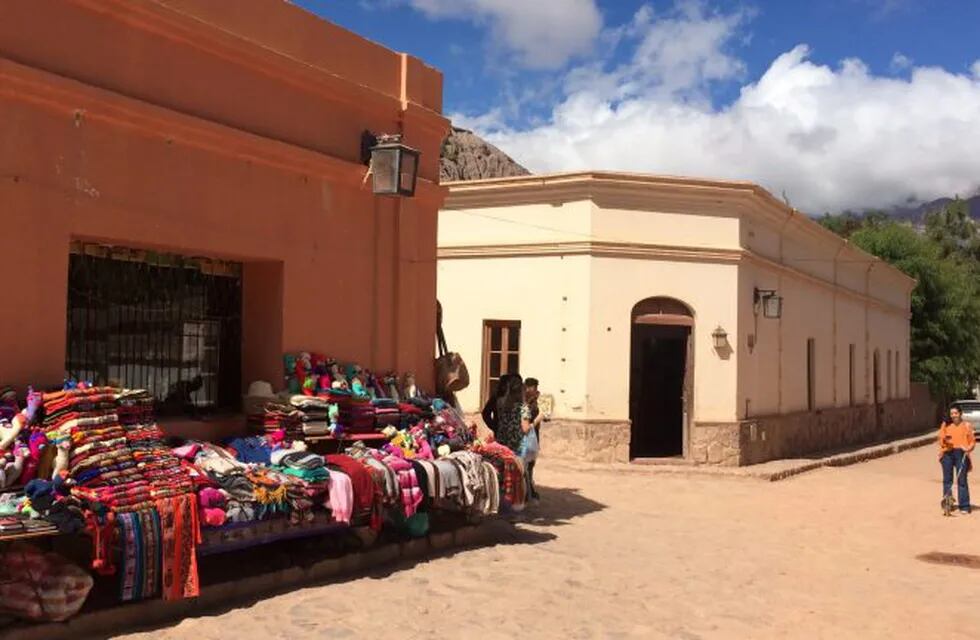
[339, 449]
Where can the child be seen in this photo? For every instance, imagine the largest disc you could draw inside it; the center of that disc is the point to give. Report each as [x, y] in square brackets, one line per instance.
[529, 452]
[956, 441]
[531, 395]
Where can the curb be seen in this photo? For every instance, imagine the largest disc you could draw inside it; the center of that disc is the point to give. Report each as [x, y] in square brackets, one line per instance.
[854, 457]
[754, 472]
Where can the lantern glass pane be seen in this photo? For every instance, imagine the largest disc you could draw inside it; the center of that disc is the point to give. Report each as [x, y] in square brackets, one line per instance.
[384, 170]
[773, 306]
[408, 172]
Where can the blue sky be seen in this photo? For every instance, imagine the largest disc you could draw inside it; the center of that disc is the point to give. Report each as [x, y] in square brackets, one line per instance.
[840, 103]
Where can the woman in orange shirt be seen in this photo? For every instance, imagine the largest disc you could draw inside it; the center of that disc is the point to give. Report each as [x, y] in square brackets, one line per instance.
[956, 441]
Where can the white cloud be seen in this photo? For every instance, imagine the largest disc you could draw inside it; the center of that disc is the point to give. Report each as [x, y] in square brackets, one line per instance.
[975, 69]
[830, 137]
[542, 34]
[900, 62]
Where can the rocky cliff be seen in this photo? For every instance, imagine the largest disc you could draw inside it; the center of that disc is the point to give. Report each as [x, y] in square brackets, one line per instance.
[467, 156]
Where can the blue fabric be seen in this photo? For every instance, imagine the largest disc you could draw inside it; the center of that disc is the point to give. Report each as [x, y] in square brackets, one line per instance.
[251, 450]
[956, 459]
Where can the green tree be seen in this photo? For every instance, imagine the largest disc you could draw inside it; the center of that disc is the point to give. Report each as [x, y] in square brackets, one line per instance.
[843, 224]
[848, 223]
[956, 233]
[945, 346]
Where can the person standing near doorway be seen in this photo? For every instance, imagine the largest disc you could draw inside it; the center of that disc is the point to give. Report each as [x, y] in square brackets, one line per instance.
[512, 417]
[489, 413]
[531, 395]
[956, 441]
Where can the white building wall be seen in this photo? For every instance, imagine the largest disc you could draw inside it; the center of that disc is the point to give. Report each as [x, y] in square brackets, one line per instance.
[546, 294]
[707, 288]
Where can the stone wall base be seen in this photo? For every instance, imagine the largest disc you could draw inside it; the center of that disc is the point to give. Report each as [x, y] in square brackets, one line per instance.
[586, 440]
[802, 434]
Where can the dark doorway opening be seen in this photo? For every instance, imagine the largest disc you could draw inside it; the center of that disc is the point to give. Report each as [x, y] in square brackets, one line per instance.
[657, 382]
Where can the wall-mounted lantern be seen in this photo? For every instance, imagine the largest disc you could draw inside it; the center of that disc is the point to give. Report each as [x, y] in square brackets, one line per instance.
[394, 167]
[720, 337]
[771, 303]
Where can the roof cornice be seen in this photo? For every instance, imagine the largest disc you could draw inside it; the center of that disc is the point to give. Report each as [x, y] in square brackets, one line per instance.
[641, 251]
[636, 190]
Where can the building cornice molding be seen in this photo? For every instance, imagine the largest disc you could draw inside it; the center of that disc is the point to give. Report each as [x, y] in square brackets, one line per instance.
[190, 31]
[71, 98]
[643, 191]
[591, 248]
[637, 251]
[185, 30]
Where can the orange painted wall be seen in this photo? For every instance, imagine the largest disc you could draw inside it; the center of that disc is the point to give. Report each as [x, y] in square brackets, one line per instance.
[156, 125]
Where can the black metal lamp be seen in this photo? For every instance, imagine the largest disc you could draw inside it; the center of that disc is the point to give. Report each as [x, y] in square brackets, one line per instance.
[394, 166]
[771, 302]
[720, 337]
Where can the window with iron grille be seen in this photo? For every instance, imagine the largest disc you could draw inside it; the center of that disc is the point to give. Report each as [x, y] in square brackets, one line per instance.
[165, 323]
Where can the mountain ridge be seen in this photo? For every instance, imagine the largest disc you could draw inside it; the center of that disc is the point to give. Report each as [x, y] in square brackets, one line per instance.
[467, 156]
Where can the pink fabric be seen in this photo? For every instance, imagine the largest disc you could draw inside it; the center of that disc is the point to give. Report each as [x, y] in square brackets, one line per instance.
[408, 482]
[188, 451]
[341, 498]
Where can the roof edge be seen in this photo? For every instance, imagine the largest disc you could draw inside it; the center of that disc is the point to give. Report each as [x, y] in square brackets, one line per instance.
[572, 185]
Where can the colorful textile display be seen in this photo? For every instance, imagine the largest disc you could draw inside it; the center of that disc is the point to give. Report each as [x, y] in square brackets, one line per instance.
[140, 539]
[180, 534]
[509, 469]
[115, 477]
[135, 487]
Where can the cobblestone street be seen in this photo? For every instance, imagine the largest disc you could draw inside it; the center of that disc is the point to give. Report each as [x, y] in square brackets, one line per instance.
[829, 554]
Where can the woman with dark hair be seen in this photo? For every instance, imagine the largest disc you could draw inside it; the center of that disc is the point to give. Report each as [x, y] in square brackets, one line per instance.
[489, 412]
[513, 417]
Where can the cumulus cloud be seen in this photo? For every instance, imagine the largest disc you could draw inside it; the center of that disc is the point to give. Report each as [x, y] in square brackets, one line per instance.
[830, 137]
[542, 34]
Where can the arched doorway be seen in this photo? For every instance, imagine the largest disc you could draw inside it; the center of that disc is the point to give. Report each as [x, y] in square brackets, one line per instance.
[661, 372]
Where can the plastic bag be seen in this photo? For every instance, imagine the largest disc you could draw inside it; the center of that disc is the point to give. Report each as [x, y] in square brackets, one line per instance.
[529, 445]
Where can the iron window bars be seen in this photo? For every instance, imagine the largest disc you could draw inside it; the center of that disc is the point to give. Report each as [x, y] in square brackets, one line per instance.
[162, 322]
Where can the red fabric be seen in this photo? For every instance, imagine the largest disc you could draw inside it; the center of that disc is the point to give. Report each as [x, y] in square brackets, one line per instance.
[180, 533]
[360, 478]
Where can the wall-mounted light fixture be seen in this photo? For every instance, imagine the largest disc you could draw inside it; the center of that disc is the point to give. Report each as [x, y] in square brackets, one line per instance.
[770, 301]
[720, 337]
[394, 167]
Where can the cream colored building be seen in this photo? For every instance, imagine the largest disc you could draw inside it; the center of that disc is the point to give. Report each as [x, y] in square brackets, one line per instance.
[641, 304]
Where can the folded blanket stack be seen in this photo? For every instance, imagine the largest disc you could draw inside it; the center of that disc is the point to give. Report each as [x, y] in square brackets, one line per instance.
[283, 417]
[315, 414]
[386, 413]
[154, 459]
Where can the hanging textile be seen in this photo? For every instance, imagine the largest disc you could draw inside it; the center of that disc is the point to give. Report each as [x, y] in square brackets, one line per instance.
[180, 533]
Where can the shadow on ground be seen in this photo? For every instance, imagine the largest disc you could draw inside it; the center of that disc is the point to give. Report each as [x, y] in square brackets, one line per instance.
[557, 507]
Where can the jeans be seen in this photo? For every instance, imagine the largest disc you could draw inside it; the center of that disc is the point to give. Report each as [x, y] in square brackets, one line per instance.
[955, 459]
